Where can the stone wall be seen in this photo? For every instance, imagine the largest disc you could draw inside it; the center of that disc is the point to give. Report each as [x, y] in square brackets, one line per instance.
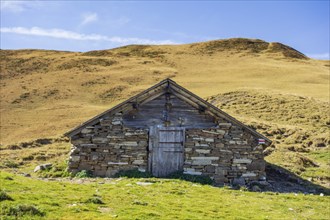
[227, 154]
[108, 147]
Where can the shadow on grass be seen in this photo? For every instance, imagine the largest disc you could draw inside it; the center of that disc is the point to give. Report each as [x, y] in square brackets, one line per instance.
[285, 181]
[177, 175]
[278, 180]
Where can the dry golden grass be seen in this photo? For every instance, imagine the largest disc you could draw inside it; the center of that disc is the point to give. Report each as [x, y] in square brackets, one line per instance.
[269, 86]
[45, 93]
[298, 127]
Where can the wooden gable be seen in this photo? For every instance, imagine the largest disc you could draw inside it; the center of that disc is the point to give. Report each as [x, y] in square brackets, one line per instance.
[170, 110]
[167, 101]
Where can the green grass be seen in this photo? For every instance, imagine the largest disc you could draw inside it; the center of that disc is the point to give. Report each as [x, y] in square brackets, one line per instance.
[124, 198]
[4, 196]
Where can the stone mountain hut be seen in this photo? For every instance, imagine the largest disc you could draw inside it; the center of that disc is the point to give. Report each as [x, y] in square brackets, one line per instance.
[167, 129]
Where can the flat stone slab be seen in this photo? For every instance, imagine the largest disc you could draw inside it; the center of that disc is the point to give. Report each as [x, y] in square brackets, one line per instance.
[75, 158]
[215, 132]
[88, 145]
[201, 162]
[42, 167]
[205, 158]
[86, 131]
[201, 145]
[100, 140]
[209, 139]
[117, 163]
[242, 161]
[202, 151]
[129, 143]
[196, 173]
[227, 125]
[138, 162]
[144, 183]
[249, 175]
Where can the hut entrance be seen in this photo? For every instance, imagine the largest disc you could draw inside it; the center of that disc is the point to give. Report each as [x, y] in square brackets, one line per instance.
[165, 150]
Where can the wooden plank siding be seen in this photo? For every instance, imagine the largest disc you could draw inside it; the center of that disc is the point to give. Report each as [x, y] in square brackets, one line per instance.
[180, 114]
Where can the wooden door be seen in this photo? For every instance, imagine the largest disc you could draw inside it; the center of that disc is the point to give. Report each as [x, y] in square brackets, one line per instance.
[165, 150]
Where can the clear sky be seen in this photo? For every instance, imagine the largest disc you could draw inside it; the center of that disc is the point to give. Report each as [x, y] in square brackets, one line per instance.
[93, 25]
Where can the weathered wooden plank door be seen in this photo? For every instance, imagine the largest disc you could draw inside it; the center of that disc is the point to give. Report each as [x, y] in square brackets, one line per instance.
[165, 150]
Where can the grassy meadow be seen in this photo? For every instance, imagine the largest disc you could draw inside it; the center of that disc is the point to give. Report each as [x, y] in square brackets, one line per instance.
[131, 198]
[271, 87]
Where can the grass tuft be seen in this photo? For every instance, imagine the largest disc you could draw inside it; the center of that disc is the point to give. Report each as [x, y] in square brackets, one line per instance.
[11, 164]
[4, 196]
[138, 202]
[191, 178]
[94, 200]
[84, 174]
[57, 170]
[134, 173]
[22, 210]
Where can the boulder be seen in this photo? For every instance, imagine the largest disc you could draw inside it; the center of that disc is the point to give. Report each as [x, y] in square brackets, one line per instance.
[239, 181]
[256, 165]
[75, 158]
[42, 167]
[256, 188]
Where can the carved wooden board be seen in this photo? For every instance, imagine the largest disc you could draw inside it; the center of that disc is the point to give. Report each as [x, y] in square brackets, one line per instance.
[165, 150]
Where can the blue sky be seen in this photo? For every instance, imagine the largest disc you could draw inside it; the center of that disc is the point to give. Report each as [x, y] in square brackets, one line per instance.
[93, 25]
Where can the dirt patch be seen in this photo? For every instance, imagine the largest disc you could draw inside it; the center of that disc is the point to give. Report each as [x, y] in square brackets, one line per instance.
[97, 81]
[247, 46]
[287, 51]
[234, 44]
[98, 53]
[132, 80]
[139, 51]
[35, 143]
[86, 65]
[21, 66]
[114, 93]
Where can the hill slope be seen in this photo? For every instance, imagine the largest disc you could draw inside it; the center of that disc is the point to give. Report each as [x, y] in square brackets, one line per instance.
[65, 88]
[270, 86]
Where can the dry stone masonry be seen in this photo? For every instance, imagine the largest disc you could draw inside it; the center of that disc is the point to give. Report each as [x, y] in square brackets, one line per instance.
[108, 147]
[225, 154]
[168, 129]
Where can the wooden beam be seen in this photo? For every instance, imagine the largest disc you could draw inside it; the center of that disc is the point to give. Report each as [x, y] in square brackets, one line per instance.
[160, 86]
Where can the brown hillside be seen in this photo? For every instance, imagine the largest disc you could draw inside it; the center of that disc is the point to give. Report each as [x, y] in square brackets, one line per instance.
[269, 86]
[65, 88]
[249, 46]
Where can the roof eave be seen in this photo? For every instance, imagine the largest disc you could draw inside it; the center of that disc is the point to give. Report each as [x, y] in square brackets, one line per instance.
[78, 128]
[221, 113]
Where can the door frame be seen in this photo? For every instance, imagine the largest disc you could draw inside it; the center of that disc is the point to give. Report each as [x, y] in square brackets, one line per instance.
[154, 141]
